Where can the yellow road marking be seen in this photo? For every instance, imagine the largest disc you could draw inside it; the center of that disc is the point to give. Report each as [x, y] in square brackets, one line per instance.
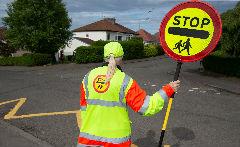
[79, 120]
[21, 101]
[12, 113]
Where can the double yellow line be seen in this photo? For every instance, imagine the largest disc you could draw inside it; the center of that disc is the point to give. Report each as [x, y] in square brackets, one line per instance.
[12, 113]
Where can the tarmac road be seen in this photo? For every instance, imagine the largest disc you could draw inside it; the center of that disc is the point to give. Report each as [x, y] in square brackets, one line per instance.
[205, 111]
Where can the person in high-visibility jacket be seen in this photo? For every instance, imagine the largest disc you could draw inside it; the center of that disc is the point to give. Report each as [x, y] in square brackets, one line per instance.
[105, 94]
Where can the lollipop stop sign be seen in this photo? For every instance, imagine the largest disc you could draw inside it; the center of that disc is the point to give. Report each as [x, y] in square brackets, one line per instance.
[190, 31]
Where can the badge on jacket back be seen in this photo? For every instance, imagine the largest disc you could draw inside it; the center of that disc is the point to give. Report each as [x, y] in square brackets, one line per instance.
[99, 84]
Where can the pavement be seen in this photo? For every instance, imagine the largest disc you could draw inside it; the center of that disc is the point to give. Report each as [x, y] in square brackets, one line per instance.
[211, 79]
[12, 136]
[205, 112]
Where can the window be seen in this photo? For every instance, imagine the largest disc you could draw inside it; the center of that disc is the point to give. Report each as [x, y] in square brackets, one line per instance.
[128, 37]
[108, 36]
[119, 38]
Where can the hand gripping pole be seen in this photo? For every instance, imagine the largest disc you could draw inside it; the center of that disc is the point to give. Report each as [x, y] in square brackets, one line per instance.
[169, 106]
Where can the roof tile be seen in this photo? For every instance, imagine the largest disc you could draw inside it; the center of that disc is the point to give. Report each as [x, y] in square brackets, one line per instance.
[106, 24]
[147, 37]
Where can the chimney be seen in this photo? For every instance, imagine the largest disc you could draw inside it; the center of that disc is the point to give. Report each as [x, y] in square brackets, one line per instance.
[112, 20]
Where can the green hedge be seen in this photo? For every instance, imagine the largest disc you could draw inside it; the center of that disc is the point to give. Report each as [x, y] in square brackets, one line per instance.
[86, 54]
[26, 60]
[160, 50]
[99, 43]
[221, 63]
[133, 49]
[152, 50]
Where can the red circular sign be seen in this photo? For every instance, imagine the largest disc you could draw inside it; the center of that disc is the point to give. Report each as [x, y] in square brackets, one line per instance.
[191, 27]
[99, 84]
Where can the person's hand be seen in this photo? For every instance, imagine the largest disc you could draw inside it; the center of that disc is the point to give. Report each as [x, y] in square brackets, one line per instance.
[175, 85]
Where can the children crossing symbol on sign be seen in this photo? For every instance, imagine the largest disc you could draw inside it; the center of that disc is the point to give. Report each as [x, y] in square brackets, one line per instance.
[178, 46]
[186, 46]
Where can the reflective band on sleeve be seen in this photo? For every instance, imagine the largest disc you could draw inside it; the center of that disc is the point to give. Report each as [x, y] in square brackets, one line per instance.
[83, 108]
[145, 105]
[163, 94]
[104, 139]
[86, 84]
[104, 103]
[126, 80]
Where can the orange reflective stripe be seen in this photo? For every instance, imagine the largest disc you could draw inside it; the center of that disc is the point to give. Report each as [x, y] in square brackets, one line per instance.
[104, 139]
[135, 96]
[84, 142]
[83, 96]
[168, 89]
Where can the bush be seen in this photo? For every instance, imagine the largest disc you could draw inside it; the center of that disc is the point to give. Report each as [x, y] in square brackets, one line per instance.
[133, 49]
[222, 63]
[27, 54]
[231, 31]
[26, 60]
[86, 54]
[41, 59]
[6, 50]
[99, 43]
[160, 50]
[150, 50]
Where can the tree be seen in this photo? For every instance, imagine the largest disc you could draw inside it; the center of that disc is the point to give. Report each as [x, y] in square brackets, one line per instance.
[5, 49]
[39, 26]
[230, 41]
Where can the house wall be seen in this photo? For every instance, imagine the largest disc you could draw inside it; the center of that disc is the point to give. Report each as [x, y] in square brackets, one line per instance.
[113, 36]
[20, 53]
[102, 35]
[94, 35]
[75, 43]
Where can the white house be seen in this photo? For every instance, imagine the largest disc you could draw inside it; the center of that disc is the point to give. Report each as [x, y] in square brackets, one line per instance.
[75, 43]
[105, 29]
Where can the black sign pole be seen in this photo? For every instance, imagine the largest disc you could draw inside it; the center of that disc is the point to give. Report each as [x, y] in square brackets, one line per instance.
[178, 69]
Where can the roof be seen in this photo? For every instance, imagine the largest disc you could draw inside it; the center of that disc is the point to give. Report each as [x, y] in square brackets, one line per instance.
[147, 37]
[107, 24]
[156, 35]
[85, 40]
[2, 35]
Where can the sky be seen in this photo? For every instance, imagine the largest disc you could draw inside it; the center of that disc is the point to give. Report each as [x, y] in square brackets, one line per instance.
[134, 14]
